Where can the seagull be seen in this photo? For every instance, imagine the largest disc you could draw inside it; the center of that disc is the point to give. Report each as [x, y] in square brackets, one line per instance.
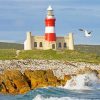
[87, 33]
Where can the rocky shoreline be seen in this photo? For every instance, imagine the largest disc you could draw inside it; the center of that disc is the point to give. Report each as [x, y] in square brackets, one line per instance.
[57, 66]
[14, 82]
[20, 76]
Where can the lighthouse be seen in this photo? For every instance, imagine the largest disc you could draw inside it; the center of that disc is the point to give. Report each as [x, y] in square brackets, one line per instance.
[50, 34]
[49, 40]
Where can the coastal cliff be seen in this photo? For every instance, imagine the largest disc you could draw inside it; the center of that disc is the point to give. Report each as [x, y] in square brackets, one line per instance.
[21, 76]
[14, 82]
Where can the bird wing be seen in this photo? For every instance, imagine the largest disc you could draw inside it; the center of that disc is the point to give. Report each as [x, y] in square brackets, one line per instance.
[81, 30]
[89, 32]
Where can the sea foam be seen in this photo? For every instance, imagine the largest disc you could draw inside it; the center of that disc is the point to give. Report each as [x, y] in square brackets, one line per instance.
[84, 81]
[39, 97]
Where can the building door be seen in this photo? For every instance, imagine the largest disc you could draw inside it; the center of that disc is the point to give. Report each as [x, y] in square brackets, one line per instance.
[53, 46]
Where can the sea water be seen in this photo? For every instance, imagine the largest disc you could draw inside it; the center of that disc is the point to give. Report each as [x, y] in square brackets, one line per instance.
[81, 87]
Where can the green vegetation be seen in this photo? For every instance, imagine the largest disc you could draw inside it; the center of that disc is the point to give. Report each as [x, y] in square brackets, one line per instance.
[11, 46]
[6, 54]
[88, 48]
[84, 53]
[60, 55]
[66, 55]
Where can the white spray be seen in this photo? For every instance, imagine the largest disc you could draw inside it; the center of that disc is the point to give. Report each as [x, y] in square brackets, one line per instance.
[84, 81]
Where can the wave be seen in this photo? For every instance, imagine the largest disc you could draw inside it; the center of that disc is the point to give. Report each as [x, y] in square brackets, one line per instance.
[53, 93]
[86, 81]
[81, 87]
[39, 97]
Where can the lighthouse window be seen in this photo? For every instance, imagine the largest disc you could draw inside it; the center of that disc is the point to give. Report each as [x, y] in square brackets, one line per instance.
[64, 45]
[59, 45]
[41, 44]
[35, 44]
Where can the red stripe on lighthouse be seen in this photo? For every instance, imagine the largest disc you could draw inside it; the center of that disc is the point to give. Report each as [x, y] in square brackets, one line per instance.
[50, 37]
[50, 22]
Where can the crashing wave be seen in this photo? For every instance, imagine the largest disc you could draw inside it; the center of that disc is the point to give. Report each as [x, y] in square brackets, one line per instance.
[84, 81]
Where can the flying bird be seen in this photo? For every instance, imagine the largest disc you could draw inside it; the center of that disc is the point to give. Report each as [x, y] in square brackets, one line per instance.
[87, 33]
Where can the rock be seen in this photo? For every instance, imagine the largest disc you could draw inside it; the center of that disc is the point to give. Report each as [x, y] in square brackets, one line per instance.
[24, 90]
[35, 77]
[50, 76]
[9, 86]
[84, 70]
[3, 88]
[40, 78]
[67, 77]
[15, 81]
[34, 83]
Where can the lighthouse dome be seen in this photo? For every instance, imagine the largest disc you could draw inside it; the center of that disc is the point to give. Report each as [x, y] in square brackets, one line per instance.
[49, 8]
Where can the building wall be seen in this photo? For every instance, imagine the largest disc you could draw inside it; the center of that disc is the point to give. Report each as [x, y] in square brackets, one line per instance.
[61, 41]
[39, 42]
[28, 41]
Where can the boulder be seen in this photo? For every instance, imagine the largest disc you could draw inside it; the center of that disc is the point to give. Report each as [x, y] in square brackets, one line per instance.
[35, 78]
[50, 76]
[40, 78]
[15, 81]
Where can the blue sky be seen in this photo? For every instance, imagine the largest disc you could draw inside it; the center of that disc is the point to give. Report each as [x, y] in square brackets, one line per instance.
[19, 16]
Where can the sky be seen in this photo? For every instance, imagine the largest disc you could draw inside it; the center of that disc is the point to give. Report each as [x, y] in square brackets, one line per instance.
[20, 16]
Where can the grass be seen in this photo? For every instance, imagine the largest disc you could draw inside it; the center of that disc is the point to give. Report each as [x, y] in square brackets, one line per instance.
[7, 54]
[65, 55]
[88, 48]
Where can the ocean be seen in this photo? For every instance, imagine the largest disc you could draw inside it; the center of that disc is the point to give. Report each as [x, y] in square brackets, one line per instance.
[81, 87]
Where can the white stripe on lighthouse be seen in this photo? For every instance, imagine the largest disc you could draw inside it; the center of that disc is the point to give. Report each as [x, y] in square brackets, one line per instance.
[49, 29]
[49, 17]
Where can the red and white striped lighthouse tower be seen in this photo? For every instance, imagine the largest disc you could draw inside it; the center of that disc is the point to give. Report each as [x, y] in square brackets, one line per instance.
[50, 34]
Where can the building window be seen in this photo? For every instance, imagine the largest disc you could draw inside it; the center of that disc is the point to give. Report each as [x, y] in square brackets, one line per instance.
[65, 45]
[40, 45]
[59, 45]
[35, 44]
[53, 46]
